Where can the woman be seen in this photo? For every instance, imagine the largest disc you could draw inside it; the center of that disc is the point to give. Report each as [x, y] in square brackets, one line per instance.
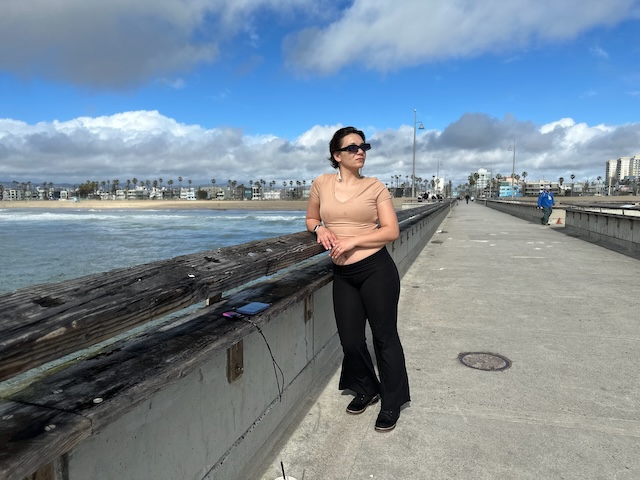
[353, 217]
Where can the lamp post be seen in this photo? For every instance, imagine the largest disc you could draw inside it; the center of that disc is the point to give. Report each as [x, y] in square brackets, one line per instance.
[413, 176]
[513, 168]
[490, 182]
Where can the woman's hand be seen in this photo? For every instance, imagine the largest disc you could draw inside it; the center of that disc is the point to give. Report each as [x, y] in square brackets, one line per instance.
[342, 246]
[326, 237]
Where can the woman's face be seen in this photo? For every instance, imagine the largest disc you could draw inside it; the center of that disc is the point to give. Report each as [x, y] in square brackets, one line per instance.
[348, 159]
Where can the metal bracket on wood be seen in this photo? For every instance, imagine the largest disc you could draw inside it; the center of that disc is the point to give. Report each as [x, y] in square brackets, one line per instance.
[214, 299]
[308, 308]
[235, 361]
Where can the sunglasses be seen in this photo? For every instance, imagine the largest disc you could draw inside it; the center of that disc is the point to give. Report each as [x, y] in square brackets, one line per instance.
[354, 148]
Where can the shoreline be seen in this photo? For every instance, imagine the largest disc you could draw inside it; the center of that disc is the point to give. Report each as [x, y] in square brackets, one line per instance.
[283, 205]
[272, 205]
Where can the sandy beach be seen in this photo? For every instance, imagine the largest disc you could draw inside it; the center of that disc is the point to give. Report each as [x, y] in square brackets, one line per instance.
[161, 204]
[272, 205]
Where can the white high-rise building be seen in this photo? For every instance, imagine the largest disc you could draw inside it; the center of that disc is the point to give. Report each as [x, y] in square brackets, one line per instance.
[622, 167]
[484, 178]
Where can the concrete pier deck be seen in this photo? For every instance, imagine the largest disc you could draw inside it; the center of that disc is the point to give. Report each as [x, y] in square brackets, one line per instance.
[563, 311]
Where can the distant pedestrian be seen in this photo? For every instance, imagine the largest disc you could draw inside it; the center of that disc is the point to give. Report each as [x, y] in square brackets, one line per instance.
[546, 203]
[467, 197]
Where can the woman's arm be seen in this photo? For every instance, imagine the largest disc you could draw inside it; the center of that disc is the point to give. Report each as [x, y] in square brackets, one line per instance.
[389, 231]
[323, 234]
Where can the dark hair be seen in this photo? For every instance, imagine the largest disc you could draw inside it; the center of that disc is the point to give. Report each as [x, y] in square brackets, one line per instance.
[336, 142]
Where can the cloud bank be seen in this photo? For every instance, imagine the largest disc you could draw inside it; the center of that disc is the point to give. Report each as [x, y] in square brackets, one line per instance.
[147, 145]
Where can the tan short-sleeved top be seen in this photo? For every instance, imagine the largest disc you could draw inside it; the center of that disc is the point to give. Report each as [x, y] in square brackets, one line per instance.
[356, 216]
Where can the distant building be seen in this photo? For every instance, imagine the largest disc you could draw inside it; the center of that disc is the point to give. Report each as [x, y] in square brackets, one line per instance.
[187, 194]
[484, 179]
[272, 195]
[506, 192]
[533, 189]
[618, 169]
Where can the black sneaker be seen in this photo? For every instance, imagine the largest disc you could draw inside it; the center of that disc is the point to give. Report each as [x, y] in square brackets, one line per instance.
[387, 420]
[361, 402]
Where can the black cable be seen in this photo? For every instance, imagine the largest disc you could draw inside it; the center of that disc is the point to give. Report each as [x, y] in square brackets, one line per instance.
[276, 367]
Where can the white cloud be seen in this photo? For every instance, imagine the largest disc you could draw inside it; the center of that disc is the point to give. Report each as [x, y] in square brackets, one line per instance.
[148, 146]
[386, 36]
[599, 52]
[119, 44]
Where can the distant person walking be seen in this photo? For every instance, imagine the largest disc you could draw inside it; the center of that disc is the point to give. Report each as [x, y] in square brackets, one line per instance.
[466, 197]
[546, 203]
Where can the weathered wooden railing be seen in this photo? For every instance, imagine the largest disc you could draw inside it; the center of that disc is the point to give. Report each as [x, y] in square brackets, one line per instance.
[45, 410]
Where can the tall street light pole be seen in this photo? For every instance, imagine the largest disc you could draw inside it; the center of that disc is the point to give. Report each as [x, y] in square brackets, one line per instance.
[413, 173]
[513, 168]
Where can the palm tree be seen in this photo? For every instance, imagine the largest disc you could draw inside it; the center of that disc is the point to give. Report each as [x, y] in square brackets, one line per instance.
[498, 178]
[471, 181]
[180, 186]
[599, 178]
[524, 180]
[170, 183]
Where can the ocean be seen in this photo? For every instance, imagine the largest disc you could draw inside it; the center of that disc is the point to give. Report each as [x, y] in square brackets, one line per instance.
[43, 246]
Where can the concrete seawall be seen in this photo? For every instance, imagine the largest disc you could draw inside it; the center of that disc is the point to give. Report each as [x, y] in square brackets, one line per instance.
[618, 232]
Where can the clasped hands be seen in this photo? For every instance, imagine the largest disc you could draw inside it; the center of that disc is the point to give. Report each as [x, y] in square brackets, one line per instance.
[336, 246]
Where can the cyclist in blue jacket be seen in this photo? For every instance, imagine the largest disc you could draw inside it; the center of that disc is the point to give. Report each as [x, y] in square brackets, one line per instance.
[546, 203]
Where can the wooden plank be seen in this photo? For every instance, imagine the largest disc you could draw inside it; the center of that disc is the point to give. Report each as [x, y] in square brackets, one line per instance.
[45, 322]
[40, 324]
[29, 430]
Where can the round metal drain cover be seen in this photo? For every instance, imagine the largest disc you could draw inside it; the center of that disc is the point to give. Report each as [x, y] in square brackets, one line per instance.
[485, 361]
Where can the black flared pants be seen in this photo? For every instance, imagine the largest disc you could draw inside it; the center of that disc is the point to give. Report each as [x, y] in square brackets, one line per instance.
[370, 289]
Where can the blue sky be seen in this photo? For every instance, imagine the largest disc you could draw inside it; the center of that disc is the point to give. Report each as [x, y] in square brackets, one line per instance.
[254, 89]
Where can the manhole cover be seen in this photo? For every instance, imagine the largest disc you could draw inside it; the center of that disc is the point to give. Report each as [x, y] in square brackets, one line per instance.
[485, 361]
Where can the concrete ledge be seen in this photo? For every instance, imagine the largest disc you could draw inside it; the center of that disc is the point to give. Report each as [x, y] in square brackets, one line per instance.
[526, 211]
[617, 232]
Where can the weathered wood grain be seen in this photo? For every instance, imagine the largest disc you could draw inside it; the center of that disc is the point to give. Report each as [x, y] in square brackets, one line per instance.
[28, 430]
[96, 391]
[45, 322]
